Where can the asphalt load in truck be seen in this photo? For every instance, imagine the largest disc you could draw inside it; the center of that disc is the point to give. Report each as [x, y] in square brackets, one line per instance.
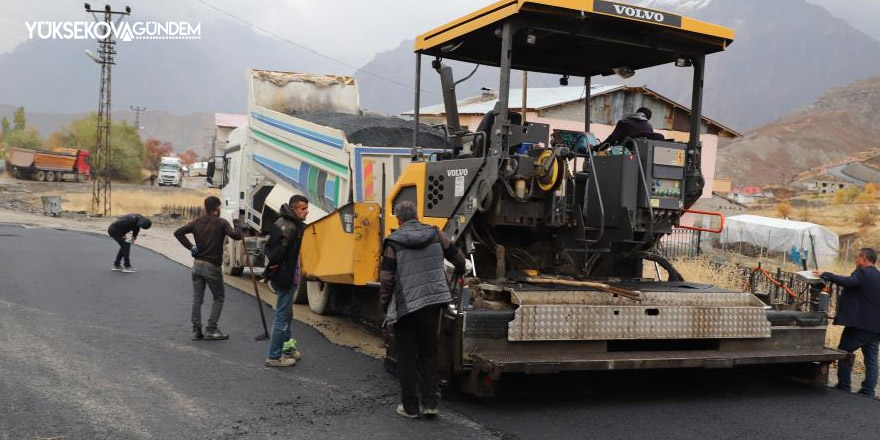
[377, 130]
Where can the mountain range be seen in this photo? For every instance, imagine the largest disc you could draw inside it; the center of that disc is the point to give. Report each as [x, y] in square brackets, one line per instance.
[787, 53]
[840, 123]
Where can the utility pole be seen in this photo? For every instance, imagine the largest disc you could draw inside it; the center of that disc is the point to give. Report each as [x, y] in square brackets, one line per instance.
[137, 116]
[101, 188]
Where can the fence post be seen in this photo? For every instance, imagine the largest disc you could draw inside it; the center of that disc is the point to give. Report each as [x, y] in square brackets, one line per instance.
[775, 287]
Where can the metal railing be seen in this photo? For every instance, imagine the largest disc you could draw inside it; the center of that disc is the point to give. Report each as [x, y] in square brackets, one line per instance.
[681, 244]
[186, 212]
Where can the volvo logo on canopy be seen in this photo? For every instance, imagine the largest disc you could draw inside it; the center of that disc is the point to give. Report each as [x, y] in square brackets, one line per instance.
[637, 13]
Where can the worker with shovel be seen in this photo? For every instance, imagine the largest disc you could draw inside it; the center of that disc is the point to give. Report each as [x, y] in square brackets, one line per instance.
[209, 232]
[283, 273]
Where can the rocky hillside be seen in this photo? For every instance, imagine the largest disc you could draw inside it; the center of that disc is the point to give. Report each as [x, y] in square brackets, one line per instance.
[786, 54]
[840, 123]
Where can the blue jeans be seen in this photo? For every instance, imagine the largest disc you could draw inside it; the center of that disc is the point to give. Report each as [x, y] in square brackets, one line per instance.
[281, 323]
[851, 340]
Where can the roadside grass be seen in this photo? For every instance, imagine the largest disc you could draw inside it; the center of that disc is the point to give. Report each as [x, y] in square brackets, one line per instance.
[148, 202]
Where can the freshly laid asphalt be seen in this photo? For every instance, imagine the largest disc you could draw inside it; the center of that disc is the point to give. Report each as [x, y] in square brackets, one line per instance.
[86, 353]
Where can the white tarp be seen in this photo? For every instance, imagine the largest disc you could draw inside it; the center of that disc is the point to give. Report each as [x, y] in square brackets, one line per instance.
[778, 235]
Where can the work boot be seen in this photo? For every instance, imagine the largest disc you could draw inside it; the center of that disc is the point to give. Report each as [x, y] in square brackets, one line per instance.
[283, 361]
[116, 268]
[214, 334]
[402, 412]
[197, 333]
[289, 349]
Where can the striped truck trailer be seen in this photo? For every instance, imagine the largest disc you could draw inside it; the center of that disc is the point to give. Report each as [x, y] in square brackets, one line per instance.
[306, 135]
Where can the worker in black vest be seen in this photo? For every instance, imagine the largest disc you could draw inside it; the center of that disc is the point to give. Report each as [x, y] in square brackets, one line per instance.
[119, 230]
[413, 291]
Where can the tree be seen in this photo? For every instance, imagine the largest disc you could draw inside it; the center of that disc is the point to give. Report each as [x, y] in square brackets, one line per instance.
[784, 209]
[846, 196]
[5, 124]
[804, 213]
[189, 157]
[126, 148]
[155, 150]
[19, 119]
[55, 140]
[865, 217]
[29, 138]
[870, 193]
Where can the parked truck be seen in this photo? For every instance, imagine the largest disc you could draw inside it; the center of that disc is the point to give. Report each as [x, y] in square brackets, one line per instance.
[60, 164]
[306, 135]
[170, 172]
[559, 233]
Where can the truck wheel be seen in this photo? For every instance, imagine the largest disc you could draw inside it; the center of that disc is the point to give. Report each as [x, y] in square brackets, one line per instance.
[39, 175]
[80, 178]
[320, 297]
[301, 296]
[229, 267]
[50, 176]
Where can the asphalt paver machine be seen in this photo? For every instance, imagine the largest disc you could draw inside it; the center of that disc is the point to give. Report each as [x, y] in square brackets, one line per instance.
[559, 229]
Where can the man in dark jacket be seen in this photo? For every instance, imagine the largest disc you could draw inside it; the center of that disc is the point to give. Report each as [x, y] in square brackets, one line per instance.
[282, 252]
[209, 232]
[634, 125]
[118, 230]
[413, 290]
[858, 310]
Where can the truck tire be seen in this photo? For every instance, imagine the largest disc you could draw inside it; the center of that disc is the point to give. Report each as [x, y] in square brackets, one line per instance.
[320, 296]
[50, 176]
[301, 296]
[39, 175]
[81, 178]
[229, 267]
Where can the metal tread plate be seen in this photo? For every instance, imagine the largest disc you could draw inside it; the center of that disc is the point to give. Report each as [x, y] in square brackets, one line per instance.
[596, 316]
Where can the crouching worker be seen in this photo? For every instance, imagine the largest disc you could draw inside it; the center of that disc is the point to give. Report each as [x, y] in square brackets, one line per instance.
[413, 291]
[119, 230]
[282, 271]
[209, 232]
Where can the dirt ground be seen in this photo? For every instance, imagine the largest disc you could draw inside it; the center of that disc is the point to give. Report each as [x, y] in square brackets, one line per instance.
[20, 203]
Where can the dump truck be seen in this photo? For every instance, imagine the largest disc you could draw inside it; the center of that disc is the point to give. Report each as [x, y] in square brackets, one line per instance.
[306, 135]
[60, 164]
[559, 229]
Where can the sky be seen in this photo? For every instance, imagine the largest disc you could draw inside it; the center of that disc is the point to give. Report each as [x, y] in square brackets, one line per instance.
[351, 31]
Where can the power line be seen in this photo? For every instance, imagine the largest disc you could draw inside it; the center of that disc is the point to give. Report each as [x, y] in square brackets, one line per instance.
[308, 49]
[101, 189]
[137, 116]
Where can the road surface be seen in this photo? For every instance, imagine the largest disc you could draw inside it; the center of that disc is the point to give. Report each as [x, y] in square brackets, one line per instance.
[90, 353]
